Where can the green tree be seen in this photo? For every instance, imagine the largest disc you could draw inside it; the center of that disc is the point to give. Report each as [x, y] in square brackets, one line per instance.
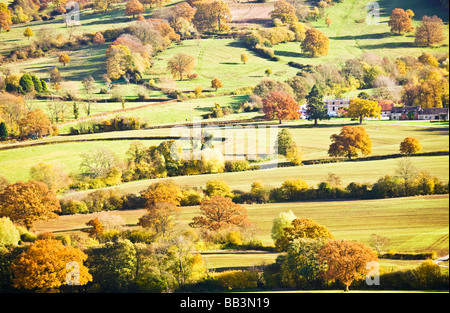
[284, 141]
[284, 220]
[37, 84]
[26, 82]
[315, 106]
[113, 265]
[3, 131]
[300, 267]
[9, 234]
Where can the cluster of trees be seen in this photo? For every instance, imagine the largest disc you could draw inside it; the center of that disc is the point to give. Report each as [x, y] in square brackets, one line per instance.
[119, 123]
[157, 257]
[22, 83]
[312, 259]
[286, 28]
[130, 54]
[429, 33]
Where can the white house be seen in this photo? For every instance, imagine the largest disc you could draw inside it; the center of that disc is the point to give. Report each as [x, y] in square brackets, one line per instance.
[333, 105]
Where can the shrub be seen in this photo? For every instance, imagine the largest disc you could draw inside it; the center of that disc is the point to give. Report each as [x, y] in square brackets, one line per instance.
[218, 187]
[192, 197]
[73, 207]
[233, 280]
[237, 166]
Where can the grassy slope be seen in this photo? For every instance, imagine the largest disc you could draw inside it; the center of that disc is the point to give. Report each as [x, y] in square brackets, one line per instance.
[314, 142]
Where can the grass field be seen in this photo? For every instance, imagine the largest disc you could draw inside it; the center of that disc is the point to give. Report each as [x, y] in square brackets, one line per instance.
[365, 171]
[411, 224]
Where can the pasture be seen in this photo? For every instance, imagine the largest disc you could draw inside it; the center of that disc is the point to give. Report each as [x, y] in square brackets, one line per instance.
[411, 224]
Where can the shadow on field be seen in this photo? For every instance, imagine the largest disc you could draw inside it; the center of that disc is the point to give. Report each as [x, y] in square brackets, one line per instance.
[389, 45]
[365, 36]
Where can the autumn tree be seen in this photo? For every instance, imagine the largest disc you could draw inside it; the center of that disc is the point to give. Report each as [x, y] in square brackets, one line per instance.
[27, 203]
[432, 90]
[410, 145]
[430, 32]
[5, 18]
[328, 21]
[212, 16]
[134, 7]
[281, 106]
[180, 16]
[220, 212]
[163, 192]
[180, 64]
[315, 108]
[50, 174]
[349, 142]
[104, 5]
[160, 217]
[96, 228]
[316, 43]
[12, 110]
[284, 11]
[28, 33]
[346, 261]
[302, 228]
[216, 84]
[118, 60]
[294, 154]
[244, 58]
[284, 141]
[362, 108]
[47, 265]
[35, 124]
[98, 38]
[64, 58]
[400, 21]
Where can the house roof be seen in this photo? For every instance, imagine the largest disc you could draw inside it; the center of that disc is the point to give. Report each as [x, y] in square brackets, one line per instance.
[386, 105]
[434, 111]
[405, 109]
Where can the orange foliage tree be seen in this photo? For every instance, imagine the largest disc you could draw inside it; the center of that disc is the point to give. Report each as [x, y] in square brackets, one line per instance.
[400, 21]
[160, 217]
[47, 265]
[27, 203]
[349, 142]
[430, 32]
[345, 261]
[281, 106]
[410, 145]
[64, 58]
[220, 212]
[315, 43]
[134, 7]
[164, 192]
[35, 124]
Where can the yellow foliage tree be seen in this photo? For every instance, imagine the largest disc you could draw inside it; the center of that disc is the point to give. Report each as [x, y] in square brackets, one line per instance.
[47, 265]
[361, 108]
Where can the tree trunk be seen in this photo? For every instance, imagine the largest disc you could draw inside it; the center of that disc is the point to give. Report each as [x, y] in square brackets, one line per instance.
[360, 119]
[346, 288]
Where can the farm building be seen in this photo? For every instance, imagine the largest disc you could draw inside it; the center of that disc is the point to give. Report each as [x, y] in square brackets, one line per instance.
[417, 113]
